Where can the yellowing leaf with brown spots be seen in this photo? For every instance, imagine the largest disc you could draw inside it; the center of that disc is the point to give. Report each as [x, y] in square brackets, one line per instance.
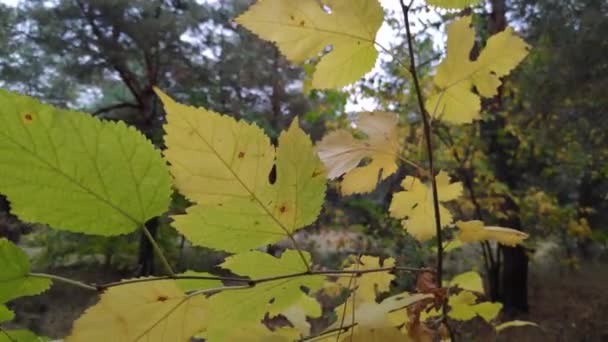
[155, 311]
[457, 74]
[223, 166]
[415, 205]
[342, 153]
[473, 231]
[303, 29]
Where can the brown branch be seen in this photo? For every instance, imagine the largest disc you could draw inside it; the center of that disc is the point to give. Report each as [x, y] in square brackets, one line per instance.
[427, 135]
[115, 106]
[248, 281]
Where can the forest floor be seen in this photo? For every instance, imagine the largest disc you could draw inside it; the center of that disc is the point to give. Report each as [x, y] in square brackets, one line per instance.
[568, 306]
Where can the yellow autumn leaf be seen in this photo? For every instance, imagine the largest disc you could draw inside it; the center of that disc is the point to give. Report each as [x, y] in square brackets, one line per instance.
[249, 306]
[452, 4]
[470, 281]
[368, 285]
[260, 333]
[463, 307]
[516, 323]
[416, 204]
[456, 75]
[372, 321]
[223, 166]
[303, 29]
[342, 153]
[473, 231]
[148, 311]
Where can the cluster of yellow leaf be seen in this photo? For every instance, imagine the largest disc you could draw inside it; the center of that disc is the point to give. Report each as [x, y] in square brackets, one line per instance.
[223, 166]
[303, 29]
[455, 101]
[415, 205]
[361, 317]
[463, 305]
[474, 231]
[342, 153]
[161, 310]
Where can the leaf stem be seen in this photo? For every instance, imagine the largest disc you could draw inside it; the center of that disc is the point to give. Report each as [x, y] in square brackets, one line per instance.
[64, 280]
[158, 250]
[427, 136]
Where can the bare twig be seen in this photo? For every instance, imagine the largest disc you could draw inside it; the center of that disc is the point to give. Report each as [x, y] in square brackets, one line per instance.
[115, 106]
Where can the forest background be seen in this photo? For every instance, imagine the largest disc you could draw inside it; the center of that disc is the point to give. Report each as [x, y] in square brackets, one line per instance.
[538, 161]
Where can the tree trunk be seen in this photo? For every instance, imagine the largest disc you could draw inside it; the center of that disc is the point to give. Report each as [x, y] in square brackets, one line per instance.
[513, 283]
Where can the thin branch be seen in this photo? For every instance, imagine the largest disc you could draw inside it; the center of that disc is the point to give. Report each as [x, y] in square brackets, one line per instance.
[115, 106]
[427, 135]
[328, 332]
[248, 281]
[64, 280]
[158, 250]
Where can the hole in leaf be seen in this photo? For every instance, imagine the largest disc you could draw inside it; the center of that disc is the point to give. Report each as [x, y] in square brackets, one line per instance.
[272, 176]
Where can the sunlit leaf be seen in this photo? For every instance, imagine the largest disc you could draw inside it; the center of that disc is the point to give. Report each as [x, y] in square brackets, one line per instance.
[223, 166]
[146, 311]
[303, 29]
[456, 75]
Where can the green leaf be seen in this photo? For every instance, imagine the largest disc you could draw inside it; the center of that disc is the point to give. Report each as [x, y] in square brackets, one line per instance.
[75, 172]
[14, 274]
[6, 314]
[452, 4]
[20, 335]
[249, 306]
[223, 166]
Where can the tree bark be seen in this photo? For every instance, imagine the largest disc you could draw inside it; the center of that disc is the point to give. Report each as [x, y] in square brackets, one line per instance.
[513, 282]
